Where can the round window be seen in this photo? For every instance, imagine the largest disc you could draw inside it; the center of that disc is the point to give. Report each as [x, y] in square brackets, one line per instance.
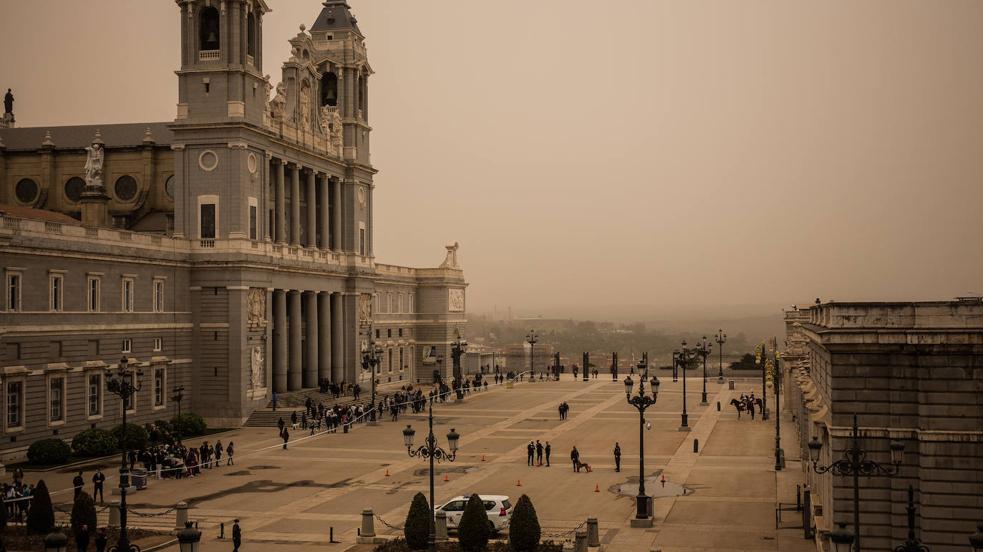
[169, 186]
[27, 190]
[207, 160]
[126, 188]
[73, 189]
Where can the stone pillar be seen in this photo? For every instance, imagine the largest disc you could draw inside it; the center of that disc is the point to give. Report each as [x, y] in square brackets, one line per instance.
[180, 514]
[440, 526]
[311, 241]
[325, 213]
[337, 338]
[593, 534]
[337, 215]
[580, 541]
[281, 201]
[324, 336]
[369, 222]
[294, 380]
[113, 514]
[368, 523]
[295, 206]
[280, 347]
[311, 319]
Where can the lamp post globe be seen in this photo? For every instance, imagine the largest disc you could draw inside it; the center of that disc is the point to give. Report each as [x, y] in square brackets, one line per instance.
[408, 434]
[629, 385]
[976, 539]
[56, 541]
[841, 538]
[188, 538]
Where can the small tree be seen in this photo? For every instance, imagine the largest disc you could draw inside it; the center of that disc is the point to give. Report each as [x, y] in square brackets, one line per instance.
[84, 513]
[417, 526]
[41, 516]
[524, 531]
[473, 531]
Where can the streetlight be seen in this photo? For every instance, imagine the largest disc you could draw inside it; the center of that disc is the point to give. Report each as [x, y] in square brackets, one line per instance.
[675, 366]
[976, 539]
[188, 538]
[556, 366]
[720, 339]
[759, 352]
[532, 339]
[431, 451]
[779, 453]
[842, 539]
[703, 348]
[124, 383]
[458, 346]
[684, 357]
[912, 544]
[586, 363]
[371, 358]
[56, 541]
[641, 402]
[855, 463]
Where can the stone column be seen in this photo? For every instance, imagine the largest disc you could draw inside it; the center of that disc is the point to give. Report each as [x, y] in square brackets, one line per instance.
[311, 336]
[294, 380]
[337, 338]
[281, 201]
[369, 222]
[324, 336]
[279, 340]
[311, 241]
[325, 213]
[295, 206]
[337, 215]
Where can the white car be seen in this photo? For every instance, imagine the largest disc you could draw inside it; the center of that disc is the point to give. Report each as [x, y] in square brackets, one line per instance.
[497, 507]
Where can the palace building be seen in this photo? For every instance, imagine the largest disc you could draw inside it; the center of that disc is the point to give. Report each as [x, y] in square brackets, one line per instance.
[228, 252]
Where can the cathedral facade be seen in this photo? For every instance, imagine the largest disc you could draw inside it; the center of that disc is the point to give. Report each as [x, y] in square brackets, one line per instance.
[228, 253]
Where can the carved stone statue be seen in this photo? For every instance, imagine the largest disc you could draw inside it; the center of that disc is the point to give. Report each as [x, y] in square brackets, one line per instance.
[8, 102]
[93, 163]
[279, 102]
[364, 308]
[305, 107]
[451, 260]
[256, 308]
[257, 367]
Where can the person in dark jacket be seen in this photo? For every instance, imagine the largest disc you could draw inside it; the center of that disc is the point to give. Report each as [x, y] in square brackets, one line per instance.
[97, 483]
[547, 449]
[236, 536]
[286, 437]
[102, 540]
[530, 452]
[78, 483]
[575, 458]
[617, 457]
[82, 538]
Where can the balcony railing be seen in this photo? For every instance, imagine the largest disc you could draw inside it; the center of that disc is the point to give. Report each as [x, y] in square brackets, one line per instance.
[209, 55]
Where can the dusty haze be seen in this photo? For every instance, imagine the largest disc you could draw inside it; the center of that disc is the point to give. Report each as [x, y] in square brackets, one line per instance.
[625, 155]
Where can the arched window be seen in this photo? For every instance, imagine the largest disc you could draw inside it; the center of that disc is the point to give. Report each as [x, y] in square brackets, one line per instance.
[329, 89]
[361, 92]
[251, 35]
[209, 29]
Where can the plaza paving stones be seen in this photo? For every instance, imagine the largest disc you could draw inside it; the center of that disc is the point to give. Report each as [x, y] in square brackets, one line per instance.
[289, 500]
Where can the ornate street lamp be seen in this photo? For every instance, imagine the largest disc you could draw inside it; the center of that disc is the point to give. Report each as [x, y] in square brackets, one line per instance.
[188, 538]
[912, 544]
[779, 453]
[976, 539]
[641, 402]
[431, 451]
[56, 541]
[586, 366]
[371, 359]
[704, 348]
[759, 352]
[720, 339]
[683, 358]
[532, 339]
[458, 346]
[124, 383]
[855, 463]
[841, 538]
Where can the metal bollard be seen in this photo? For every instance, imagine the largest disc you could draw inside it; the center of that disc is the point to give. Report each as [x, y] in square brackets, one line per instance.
[593, 534]
[221, 530]
[114, 513]
[696, 445]
[441, 526]
[331, 536]
[580, 542]
[180, 514]
[718, 406]
[368, 523]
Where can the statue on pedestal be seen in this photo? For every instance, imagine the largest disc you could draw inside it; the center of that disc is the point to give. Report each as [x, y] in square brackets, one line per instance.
[279, 102]
[451, 260]
[93, 162]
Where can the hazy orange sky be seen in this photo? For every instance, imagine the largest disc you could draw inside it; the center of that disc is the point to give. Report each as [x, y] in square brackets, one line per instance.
[611, 154]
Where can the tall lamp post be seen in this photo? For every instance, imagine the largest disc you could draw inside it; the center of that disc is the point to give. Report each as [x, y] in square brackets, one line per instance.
[532, 339]
[704, 348]
[586, 366]
[759, 359]
[685, 356]
[855, 463]
[912, 544]
[556, 366]
[720, 339]
[431, 451]
[643, 515]
[458, 346]
[371, 358]
[776, 375]
[123, 383]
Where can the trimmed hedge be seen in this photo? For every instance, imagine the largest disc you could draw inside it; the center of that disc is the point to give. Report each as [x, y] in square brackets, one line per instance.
[94, 442]
[473, 531]
[41, 515]
[188, 425]
[136, 436]
[84, 513]
[524, 530]
[48, 452]
[417, 526]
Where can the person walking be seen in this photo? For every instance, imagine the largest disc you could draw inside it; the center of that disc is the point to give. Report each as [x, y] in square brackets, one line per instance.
[617, 457]
[281, 424]
[530, 451]
[575, 458]
[286, 437]
[78, 482]
[229, 450]
[548, 449]
[539, 453]
[236, 535]
[98, 479]
[560, 410]
[219, 449]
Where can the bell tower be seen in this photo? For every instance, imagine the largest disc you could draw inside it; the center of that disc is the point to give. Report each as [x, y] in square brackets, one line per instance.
[221, 76]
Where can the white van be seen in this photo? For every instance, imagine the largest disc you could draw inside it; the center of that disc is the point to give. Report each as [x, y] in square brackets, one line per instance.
[497, 507]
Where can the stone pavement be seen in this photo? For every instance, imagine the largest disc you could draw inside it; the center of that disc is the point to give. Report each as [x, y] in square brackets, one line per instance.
[288, 500]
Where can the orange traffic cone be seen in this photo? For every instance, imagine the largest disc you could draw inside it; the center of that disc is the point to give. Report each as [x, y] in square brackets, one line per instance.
[597, 488]
[387, 472]
[518, 482]
[446, 478]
